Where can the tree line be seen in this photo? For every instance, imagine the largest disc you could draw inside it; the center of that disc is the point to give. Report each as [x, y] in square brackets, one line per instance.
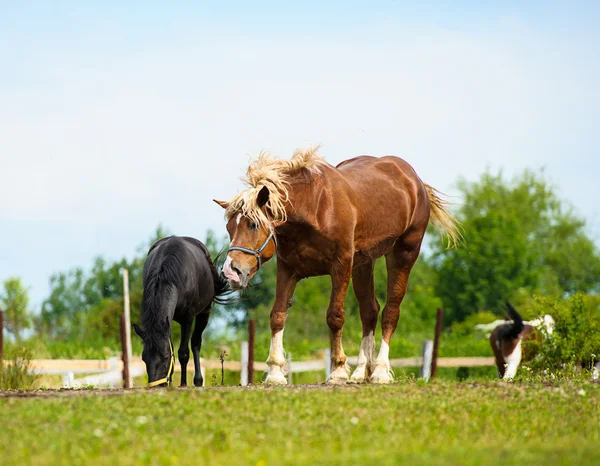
[520, 239]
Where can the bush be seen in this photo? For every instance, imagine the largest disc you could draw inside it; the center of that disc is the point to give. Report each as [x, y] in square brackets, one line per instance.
[14, 373]
[575, 341]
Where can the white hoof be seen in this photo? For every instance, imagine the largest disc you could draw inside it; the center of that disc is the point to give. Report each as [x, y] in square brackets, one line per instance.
[382, 375]
[276, 376]
[338, 376]
[359, 375]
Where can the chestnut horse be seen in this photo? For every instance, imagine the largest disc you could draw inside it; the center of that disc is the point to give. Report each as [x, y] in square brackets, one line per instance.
[336, 221]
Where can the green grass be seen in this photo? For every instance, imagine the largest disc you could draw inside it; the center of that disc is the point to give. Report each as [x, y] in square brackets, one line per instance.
[442, 423]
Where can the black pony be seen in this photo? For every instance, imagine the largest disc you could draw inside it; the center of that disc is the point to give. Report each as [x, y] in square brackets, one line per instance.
[180, 284]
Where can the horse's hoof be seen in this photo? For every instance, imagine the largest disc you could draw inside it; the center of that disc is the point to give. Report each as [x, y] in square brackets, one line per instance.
[358, 376]
[276, 379]
[382, 375]
[198, 382]
[338, 376]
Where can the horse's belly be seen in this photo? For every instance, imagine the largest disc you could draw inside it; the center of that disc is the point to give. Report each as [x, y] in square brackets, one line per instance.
[307, 262]
[368, 252]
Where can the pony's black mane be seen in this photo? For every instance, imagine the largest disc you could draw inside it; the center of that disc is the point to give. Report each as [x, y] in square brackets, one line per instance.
[159, 283]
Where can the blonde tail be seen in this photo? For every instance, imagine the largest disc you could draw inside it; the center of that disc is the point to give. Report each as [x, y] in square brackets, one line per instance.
[442, 219]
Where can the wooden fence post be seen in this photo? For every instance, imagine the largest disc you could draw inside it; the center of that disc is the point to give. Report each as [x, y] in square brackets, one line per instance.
[251, 332]
[427, 357]
[125, 357]
[127, 343]
[1, 336]
[439, 317]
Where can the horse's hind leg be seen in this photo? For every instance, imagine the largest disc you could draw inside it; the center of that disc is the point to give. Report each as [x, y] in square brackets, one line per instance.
[201, 322]
[184, 350]
[399, 263]
[364, 289]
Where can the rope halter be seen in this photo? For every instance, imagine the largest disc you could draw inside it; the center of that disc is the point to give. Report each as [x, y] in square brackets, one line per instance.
[166, 379]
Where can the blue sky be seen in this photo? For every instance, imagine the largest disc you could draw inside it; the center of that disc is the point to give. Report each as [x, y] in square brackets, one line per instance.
[116, 118]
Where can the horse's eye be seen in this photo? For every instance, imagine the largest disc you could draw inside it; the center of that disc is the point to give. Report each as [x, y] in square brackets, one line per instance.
[252, 226]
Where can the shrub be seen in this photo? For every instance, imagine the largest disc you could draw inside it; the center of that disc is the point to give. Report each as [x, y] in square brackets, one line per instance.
[575, 341]
[14, 373]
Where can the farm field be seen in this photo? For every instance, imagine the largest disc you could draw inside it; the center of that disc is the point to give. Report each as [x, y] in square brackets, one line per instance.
[442, 423]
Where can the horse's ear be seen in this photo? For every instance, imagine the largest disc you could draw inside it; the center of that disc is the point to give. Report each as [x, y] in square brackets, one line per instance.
[262, 197]
[139, 331]
[223, 204]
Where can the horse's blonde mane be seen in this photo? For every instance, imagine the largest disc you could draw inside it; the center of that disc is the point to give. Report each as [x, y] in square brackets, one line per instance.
[274, 174]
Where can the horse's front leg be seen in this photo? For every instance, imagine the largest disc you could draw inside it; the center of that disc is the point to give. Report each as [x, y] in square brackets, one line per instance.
[340, 278]
[286, 284]
[184, 350]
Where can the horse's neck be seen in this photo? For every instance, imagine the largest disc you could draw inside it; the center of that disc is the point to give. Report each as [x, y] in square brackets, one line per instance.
[304, 195]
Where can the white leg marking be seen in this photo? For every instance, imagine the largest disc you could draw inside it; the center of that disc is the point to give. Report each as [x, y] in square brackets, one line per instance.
[276, 360]
[366, 356]
[512, 362]
[383, 372]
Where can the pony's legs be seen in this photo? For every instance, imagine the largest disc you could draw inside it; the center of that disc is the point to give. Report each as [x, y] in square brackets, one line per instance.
[399, 263]
[201, 322]
[364, 289]
[184, 350]
[286, 284]
[340, 279]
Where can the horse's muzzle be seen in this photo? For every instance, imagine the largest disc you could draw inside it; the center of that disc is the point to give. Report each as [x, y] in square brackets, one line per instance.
[237, 276]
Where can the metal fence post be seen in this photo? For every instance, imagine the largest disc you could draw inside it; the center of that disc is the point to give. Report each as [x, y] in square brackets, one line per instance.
[244, 364]
[427, 356]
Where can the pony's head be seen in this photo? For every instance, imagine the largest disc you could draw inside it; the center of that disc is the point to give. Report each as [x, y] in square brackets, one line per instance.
[158, 356]
[252, 243]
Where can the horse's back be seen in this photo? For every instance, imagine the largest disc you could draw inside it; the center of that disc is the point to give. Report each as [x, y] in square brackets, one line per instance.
[386, 192]
[366, 169]
[191, 258]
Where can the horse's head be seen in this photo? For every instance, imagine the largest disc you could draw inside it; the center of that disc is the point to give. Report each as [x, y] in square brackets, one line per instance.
[251, 245]
[159, 358]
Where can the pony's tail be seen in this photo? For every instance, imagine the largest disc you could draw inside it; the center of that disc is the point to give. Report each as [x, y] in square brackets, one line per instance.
[223, 293]
[517, 326]
[442, 219]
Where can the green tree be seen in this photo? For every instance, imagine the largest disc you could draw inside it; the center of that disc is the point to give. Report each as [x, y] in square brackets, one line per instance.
[14, 300]
[88, 304]
[518, 235]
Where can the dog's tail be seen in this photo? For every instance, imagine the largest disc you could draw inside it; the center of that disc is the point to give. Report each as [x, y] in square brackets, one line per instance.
[517, 325]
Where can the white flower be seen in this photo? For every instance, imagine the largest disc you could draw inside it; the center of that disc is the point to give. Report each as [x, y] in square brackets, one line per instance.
[141, 420]
[98, 433]
[354, 420]
[581, 392]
